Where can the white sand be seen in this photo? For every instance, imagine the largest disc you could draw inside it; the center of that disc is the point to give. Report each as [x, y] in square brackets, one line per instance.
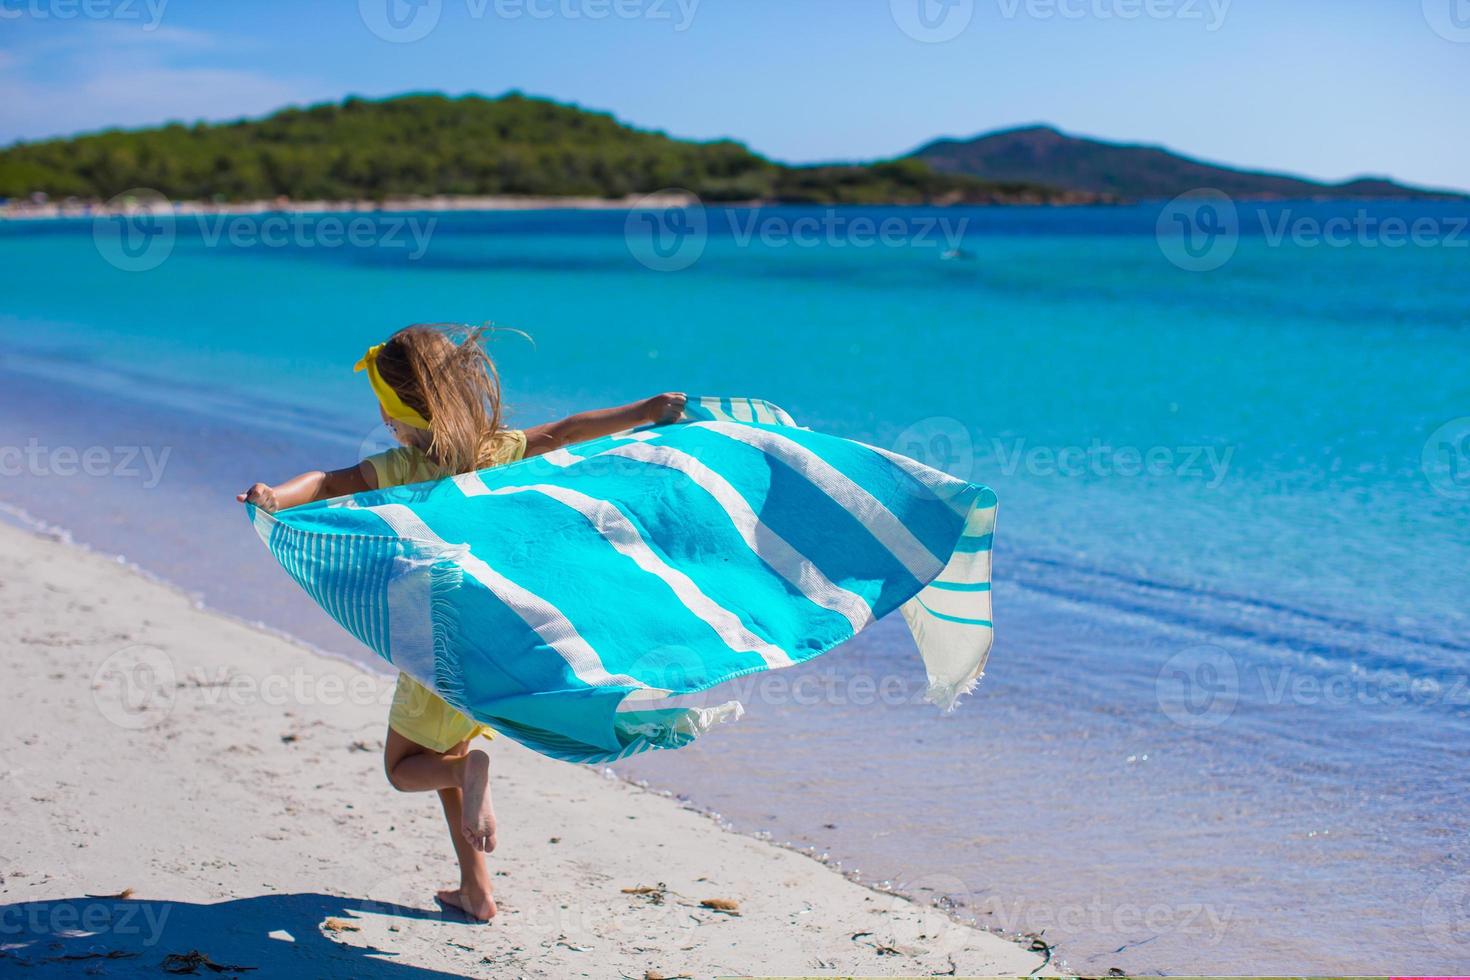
[233, 780]
[151, 202]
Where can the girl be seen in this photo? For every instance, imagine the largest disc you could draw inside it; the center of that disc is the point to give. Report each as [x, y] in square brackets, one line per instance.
[441, 399]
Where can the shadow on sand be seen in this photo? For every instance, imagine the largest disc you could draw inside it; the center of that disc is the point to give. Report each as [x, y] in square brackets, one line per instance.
[277, 935]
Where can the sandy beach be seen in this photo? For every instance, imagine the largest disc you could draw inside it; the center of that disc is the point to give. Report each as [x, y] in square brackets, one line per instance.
[182, 790]
[145, 201]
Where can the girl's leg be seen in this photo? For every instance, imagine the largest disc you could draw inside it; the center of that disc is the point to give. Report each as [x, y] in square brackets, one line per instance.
[413, 768]
[457, 775]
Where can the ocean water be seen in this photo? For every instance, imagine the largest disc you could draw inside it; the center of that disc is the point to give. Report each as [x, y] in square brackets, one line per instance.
[1226, 723]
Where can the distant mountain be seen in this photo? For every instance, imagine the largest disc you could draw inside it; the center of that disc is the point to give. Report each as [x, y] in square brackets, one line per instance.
[424, 145]
[1048, 156]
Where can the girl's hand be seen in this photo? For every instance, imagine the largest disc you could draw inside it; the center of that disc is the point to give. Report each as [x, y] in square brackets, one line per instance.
[665, 408]
[261, 496]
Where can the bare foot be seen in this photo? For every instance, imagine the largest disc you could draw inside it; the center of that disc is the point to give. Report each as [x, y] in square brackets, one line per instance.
[475, 904]
[477, 815]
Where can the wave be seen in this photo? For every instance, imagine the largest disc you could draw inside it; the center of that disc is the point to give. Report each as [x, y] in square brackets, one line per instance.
[1327, 639]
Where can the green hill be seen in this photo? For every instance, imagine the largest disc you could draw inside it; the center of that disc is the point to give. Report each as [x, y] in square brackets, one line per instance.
[1047, 156]
[420, 145]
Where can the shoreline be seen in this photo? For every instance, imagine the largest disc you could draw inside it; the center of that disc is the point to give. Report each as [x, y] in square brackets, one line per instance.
[150, 202]
[279, 816]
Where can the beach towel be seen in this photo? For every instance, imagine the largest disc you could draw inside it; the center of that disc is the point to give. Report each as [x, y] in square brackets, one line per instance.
[572, 600]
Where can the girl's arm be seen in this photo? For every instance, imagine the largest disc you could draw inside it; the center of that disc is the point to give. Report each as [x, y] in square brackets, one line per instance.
[603, 422]
[307, 487]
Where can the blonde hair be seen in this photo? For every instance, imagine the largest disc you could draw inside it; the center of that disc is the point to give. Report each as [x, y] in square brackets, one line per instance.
[442, 372]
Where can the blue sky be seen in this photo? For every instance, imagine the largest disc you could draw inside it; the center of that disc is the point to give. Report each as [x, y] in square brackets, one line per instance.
[1325, 89]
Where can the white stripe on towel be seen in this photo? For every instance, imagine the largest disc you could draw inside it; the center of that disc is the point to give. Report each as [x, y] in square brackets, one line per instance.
[716, 409]
[626, 539]
[789, 563]
[941, 484]
[878, 519]
[536, 612]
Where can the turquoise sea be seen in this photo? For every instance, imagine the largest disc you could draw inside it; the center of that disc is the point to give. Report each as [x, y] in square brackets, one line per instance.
[1226, 724]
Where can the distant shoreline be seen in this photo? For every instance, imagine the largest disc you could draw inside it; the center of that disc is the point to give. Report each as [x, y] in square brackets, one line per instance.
[73, 209]
[18, 210]
[442, 202]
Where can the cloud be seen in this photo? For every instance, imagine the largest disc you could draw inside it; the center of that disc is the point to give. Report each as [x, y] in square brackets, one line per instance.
[140, 98]
[100, 75]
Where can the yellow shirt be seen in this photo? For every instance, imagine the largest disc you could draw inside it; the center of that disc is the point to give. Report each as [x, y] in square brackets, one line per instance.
[402, 465]
[418, 714]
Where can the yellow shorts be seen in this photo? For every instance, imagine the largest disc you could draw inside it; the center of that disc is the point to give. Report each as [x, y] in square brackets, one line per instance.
[421, 716]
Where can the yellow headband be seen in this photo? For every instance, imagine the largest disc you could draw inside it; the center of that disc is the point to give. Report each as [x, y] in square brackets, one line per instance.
[387, 397]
